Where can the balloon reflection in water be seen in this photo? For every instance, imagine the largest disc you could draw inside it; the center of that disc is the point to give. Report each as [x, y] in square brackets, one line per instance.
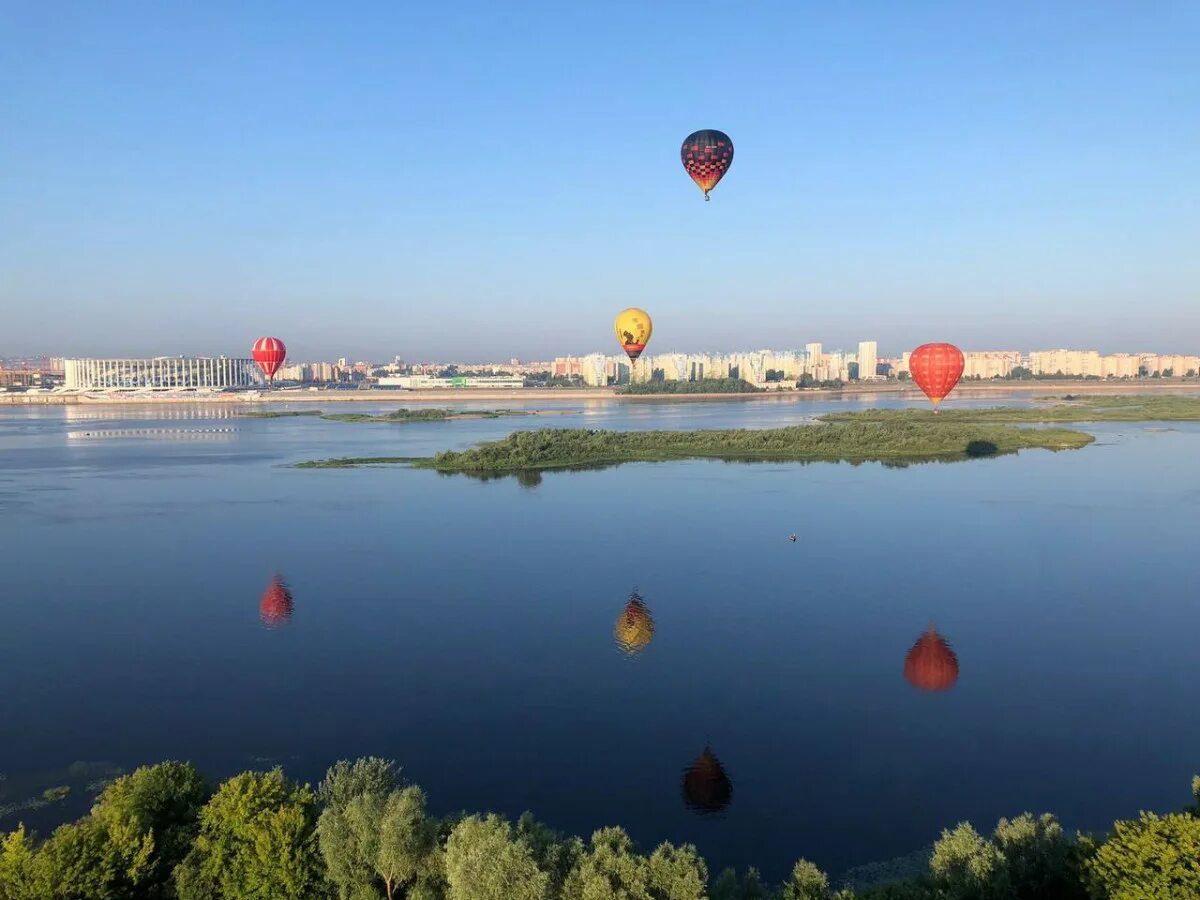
[706, 787]
[635, 627]
[275, 608]
[931, 665]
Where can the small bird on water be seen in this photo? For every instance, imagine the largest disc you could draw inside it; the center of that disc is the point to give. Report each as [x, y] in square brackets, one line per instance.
[792, 537]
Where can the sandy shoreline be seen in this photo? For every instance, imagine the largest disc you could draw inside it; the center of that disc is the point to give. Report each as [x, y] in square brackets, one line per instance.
[534, 395]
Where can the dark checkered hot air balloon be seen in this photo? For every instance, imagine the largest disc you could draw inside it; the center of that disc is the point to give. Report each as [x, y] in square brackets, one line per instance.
[707, 156]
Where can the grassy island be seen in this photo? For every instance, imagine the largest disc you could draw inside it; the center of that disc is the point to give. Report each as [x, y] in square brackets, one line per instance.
[855, 440]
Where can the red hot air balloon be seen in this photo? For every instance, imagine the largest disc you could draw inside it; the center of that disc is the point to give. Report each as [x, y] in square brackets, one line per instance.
[706, 787]
[269, 353]
[931, 665]
[275, 607]
[707, 156]
[936, 369]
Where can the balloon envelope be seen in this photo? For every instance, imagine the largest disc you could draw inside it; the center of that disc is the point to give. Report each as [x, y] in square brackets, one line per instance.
[269, 353]
[936, 369]
[635, 626]
[275, 607]
[633, 328]
[707, 156]
[706, 787]
[931, 665]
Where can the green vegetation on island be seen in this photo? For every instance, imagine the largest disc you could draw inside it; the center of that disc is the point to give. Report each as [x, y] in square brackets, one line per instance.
[701, 386]
[364, 834]
[1140, 408]
[278, 413]
[853, 441]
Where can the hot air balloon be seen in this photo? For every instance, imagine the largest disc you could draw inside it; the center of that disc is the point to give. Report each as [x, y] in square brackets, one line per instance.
[633, 328]
[707, 156]
[275, 607]
[635, 627]
[269, 353]
[706, 787]
[931, 665]
[936, 369]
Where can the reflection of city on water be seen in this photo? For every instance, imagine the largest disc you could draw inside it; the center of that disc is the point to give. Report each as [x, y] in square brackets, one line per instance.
[706, 787]
[931, 665]
[635, 626]
[275, 607]
[161, 412]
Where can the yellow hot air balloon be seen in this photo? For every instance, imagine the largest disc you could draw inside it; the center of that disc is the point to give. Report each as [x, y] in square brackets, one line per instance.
[633, 327]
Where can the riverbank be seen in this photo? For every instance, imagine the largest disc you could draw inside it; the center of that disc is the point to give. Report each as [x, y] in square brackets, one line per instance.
[900, 390]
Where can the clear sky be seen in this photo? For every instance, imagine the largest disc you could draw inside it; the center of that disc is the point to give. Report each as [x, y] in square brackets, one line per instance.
[483, 179]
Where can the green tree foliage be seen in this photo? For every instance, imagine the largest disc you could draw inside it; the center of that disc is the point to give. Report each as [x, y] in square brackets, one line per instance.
[256, 841]
[22, 873]
[611, 868]
[485, 861]
[965, 864]
[806, 882]
[677, 873]
[1037, 859]
[728, 887]
[151, 820]
[555, 854]
[350, 852]
[396, 838]
[1152, 858]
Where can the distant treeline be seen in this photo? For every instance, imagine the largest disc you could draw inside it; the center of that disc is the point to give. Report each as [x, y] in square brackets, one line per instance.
[363, 834]
[700, 386]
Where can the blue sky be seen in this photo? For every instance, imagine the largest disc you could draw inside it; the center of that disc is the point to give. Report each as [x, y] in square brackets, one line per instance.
[479, 180]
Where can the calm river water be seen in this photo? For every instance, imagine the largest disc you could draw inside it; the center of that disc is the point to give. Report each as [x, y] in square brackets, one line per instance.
[466, 628]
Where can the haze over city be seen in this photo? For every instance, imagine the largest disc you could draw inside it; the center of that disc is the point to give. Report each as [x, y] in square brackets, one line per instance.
[401, 181]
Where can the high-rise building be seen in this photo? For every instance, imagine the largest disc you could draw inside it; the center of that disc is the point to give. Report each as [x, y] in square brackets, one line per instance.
[868, 359]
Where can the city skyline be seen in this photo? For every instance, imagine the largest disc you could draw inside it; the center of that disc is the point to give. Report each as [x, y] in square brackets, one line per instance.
[476, 184]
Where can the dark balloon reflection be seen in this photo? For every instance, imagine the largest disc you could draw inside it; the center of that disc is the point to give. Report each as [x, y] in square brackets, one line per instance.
[635, 626]
[931, 665]
[275, 607]
[706, 787]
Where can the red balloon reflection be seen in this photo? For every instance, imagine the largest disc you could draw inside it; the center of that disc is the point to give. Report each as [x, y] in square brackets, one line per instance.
[931, 665]
[275, 607]
[706, 787]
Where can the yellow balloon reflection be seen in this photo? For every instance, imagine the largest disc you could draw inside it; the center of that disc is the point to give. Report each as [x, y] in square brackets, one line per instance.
[635, 626]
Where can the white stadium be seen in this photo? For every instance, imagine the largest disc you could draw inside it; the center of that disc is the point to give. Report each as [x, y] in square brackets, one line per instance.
[167, 373]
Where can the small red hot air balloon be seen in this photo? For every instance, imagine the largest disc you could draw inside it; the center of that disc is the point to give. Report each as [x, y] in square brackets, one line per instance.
[269, 353]
[936, 369]
[706, 787]
[275, 607]
[931, 665]
[707, 156]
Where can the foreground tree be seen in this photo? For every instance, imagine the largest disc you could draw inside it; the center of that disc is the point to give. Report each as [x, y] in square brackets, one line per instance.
[1152, 858]
[349, 863]
[484, 861]
[396, 839]
[151, 818]
[22, 874]
[256, 841]
[965, 865]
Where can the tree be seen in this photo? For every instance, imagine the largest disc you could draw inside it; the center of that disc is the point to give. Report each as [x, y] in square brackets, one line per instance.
[257, 839]
[22, 873]
[151, 818]
[1152, 858]
[397, 840]
[485, 862]
[964, 864]
[904, 376]
[677, 873]
[612, 867]
[807, 882]
[555, 854]
[79, 862]
[1021, 373]
[1191, 373]
[1168, 373]
[751, 887]
[349, 864]
[1037, 859]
